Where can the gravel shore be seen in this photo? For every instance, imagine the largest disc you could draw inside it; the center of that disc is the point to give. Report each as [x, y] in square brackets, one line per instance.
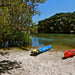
[47, 63]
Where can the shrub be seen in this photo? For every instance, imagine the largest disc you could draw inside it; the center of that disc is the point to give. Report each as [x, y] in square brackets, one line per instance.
[12, 37]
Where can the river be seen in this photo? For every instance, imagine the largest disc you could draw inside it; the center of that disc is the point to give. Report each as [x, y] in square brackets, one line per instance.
[58, 41]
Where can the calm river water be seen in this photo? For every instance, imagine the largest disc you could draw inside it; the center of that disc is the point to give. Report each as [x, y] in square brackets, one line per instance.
[58, 41]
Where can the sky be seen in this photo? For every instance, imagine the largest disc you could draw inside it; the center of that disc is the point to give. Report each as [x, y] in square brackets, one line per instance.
[51, 7]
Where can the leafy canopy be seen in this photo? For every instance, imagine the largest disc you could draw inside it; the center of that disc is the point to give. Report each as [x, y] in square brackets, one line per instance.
[15, 16]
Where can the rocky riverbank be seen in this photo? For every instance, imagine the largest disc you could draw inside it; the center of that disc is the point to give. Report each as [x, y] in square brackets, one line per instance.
[19, 62]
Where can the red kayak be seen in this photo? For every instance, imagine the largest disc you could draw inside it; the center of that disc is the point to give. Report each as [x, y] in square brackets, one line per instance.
[69, 53]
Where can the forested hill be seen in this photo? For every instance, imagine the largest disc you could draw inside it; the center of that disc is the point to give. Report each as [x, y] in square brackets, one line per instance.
[58, 23]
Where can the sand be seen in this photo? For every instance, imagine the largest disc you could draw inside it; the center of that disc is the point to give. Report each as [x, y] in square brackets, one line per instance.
[47, 63]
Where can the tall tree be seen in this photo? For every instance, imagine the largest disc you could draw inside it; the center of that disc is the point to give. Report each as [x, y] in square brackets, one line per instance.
[15, 16]
[21, 11]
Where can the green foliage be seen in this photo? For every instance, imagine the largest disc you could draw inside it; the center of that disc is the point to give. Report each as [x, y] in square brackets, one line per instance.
[14, 38]
[27, 38]
[20, 11]
[58, 23]
[15, 18]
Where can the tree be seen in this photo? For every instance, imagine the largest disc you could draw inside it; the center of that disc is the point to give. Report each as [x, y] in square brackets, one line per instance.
[15, 16]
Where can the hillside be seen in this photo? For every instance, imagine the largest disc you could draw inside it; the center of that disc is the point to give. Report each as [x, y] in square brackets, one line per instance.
[58, 23]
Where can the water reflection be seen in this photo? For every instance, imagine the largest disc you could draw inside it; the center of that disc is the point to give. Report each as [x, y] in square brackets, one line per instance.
[38, 42]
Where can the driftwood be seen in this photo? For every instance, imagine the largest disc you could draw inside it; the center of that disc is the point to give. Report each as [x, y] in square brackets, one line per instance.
[3, 53]
[6, 65]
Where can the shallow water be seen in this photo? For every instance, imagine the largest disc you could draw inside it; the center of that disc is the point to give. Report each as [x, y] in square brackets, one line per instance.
[58, 41]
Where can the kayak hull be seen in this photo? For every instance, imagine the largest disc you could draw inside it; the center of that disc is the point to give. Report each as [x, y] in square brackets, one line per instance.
[69, 53]
[41, 50]
[45, 48]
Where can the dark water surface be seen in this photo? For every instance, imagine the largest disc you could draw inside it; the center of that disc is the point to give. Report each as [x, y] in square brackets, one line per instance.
[58, 41]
